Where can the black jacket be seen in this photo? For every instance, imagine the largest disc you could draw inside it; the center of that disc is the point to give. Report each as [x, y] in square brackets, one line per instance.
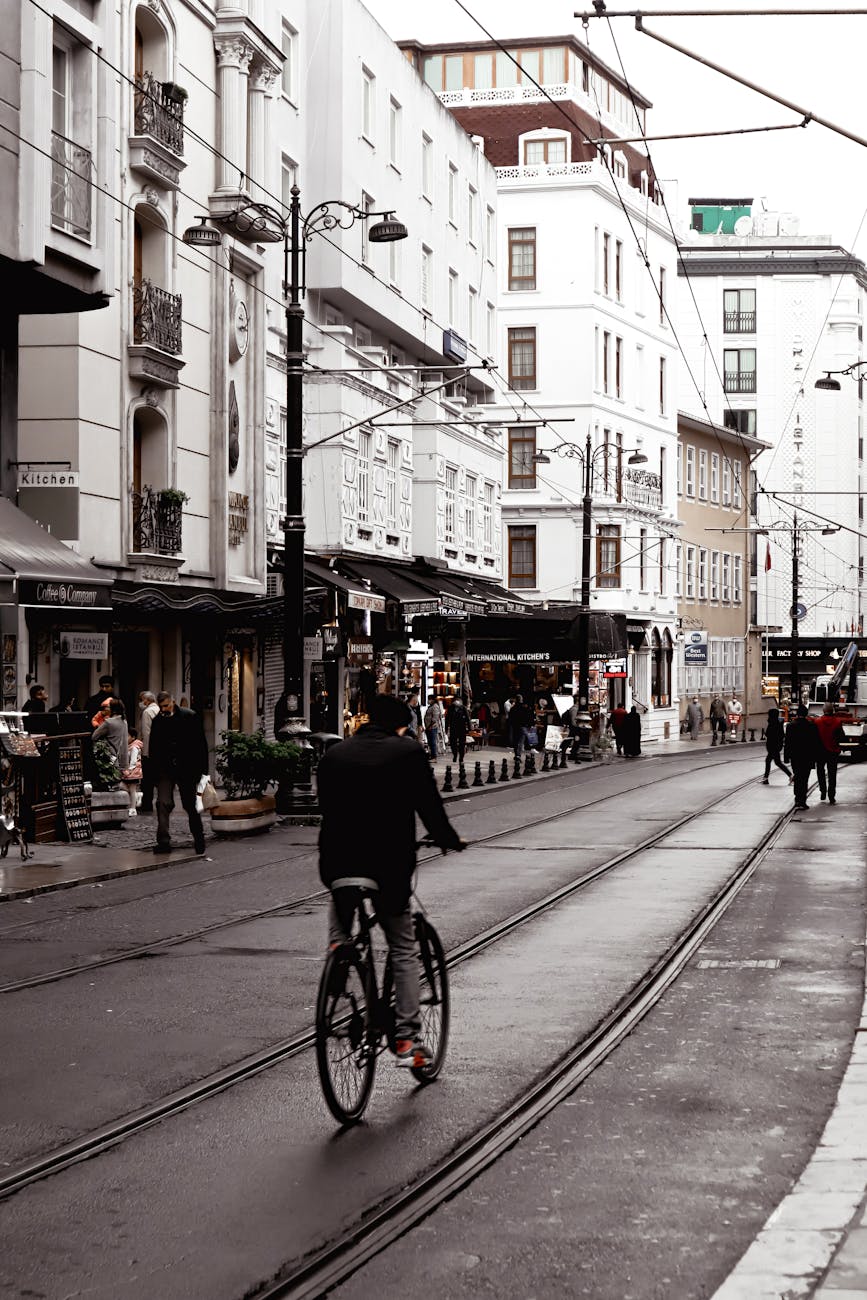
[177, 745]
[519, 718]
[774, 735]
[370, 789]
[803, 743]
[457, 722]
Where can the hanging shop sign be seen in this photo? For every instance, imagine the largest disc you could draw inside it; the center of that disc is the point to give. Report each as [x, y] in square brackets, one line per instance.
[615, 668]
[459, 608]
[313, 647]
[40, 478]
[412, 607]
[359, 652]
[510, 657]
[695, 647]
[366, 600]
[59, 595]
[330, 640]
[505, 607]
[84, 645]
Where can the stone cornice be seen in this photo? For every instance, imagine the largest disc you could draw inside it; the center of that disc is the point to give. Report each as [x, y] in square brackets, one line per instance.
[747, 261]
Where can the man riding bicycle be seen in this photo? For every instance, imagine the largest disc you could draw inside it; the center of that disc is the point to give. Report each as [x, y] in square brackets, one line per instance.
[370, 789]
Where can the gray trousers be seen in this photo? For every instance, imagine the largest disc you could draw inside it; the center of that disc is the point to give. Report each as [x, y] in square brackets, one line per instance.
[400, 934]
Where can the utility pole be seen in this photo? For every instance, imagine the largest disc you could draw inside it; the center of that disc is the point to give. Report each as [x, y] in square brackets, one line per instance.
[796, 681]
[584, 625]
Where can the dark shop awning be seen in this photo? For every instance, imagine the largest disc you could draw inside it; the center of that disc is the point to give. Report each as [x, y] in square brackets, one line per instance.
[48, 574]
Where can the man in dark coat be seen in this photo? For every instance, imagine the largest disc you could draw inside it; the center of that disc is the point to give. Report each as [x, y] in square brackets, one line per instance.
[803, 751]
[631, 732]
[370, 789]
[458, 728]
[831, 733]
[95, 703]
[520, 718]
[179, 757]
[774, 738]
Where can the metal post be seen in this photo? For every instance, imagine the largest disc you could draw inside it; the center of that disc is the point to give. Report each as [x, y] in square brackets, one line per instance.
[584, 624]
[796, 681]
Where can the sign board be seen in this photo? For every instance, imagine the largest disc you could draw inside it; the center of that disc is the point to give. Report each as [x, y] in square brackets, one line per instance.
[505, 607]
[412, 607]
[48, 594]
[331, 639]
[313, 647]
[509, 657]
[359, 652]
[73, 801]
[51, 478]
[798, 611]
[239, 507]
[695, 647]
[554, 737]
[84, 645]
[366, 600]
[615, 668]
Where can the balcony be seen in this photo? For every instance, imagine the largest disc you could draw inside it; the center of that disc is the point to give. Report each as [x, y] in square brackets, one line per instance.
[157, 146]
[157, 521]
[643, 489]
[739, 322]
[71, 189]
[740, 381]
[157, 335]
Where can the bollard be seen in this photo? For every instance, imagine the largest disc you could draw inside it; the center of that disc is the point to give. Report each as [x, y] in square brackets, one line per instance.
[713, 742]
[564, 755]
[492, 773]
[546, 762]
[752, 734]
[504, 770]
[477, 779]
[528, 763]
[447, 783]
[517, 774]
[463, 783]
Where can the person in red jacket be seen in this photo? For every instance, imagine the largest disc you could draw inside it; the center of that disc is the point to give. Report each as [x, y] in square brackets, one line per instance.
[830, 727]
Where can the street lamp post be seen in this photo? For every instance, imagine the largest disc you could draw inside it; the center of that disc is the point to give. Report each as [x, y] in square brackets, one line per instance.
[296, 232]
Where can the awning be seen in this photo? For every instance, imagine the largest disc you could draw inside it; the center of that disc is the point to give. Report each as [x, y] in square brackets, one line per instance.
[608, 634]
[356, 596]
[48, 575]
[395, 583]
[178, 599]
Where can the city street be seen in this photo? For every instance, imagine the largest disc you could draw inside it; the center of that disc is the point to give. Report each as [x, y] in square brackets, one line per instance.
[651, 1178]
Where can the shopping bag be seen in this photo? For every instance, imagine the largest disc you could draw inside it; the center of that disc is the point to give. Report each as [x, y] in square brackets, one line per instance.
[209, 795]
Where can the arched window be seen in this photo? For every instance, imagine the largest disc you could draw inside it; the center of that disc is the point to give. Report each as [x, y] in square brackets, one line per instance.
[657, 672]
[156, 311]
[667, 657]
[153, 518]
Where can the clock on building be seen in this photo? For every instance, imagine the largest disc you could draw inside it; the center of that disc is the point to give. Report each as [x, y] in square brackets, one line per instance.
[239, 330]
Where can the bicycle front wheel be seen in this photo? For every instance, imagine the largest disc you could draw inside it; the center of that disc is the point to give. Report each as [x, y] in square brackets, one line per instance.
[345, 1036]
[434, 1000]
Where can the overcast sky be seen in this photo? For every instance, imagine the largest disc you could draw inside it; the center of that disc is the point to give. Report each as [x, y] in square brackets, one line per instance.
[816, 62]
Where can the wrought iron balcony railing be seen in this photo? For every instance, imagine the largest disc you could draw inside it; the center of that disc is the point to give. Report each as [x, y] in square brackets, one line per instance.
[71, 189]
[643, 488]
[739, 322]
[157, 522]
[156, 317]
[158, 114]
[740, 381]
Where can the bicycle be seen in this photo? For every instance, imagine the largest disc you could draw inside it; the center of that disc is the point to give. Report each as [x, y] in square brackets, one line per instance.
[355, 1019]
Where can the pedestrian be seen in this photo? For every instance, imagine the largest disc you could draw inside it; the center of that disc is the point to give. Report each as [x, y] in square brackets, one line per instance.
[616, 723]
[774, 739]
[734, 710]
[632, 733]
[67, 705]
[433, 728]
[802, 750]
[830, 728]
[415, 725]
[38, 701]
[131, 774]
[97, 702]
[718, 719]
[519, 721]
[458, 727]
[485, 719]
[115, 733]
[148, 708]
[694, 717]
[179, 756]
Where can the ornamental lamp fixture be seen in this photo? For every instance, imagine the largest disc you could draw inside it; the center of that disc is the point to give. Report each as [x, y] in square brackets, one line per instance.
[828, 383]
[637, 458]
[204, 236]
[387, 231]
[541, 458]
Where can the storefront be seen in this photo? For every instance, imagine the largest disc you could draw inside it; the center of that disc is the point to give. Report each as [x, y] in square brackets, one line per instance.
[817, 657]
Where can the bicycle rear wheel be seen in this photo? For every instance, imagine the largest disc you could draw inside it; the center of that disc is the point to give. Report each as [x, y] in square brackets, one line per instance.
[346, 1040]
[434, 1000]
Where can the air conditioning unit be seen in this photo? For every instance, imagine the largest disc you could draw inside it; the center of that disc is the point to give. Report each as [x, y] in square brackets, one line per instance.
[378, 355]
[431, 379]
[274, 584]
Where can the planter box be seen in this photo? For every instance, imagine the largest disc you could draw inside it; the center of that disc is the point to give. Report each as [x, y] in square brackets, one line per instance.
[109, 808]
[243, 816]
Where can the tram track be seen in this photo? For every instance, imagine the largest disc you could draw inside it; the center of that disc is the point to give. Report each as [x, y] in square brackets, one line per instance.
[170, 941]
[98, 1140]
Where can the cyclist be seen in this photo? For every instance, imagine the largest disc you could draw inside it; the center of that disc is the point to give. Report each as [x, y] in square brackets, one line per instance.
[370, 788]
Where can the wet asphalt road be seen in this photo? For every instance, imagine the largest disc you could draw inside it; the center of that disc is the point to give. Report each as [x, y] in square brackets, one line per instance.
[685, 1139]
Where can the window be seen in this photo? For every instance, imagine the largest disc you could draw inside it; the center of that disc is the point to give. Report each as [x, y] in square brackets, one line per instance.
[714, 575]
[618, 465]
[639, 376]
[618, 367]
[394, 133]
[365, 452]
[544, 151]
[71, 161]
[618, 270]
[727, 482]
[489, 329]
[662, 393]
[427, 167]
[642, 559]
[488, 517]
[690, 471]
[662, 295]
[726, 575]
[739, 370]
[737, 499]
[366, 205]
[453, 194]
[522, 358]
[470, 512]
[394, 264]
[391, 482]
[740, 421]
[714, 478]
[737, 573]
[288, 178]
[290, 63]
[678, 569]
[661, 565]
[702, 474]
[472, 314]
[680, 469]
[450, 503]
[522, 258]
[426, 277]
[453, 298]
[472, 214]
[607, 474]
[739, 311]
[690, 573]
[368, 104]
[606, 260]
[522, 449]
[490, 234]
[702, 573]
[522, 557]
[607, 555]
[606, 360]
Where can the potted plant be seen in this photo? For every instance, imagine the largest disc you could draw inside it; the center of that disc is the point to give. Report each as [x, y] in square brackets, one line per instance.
[247, 766]
[173, 497]
[109, 801]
